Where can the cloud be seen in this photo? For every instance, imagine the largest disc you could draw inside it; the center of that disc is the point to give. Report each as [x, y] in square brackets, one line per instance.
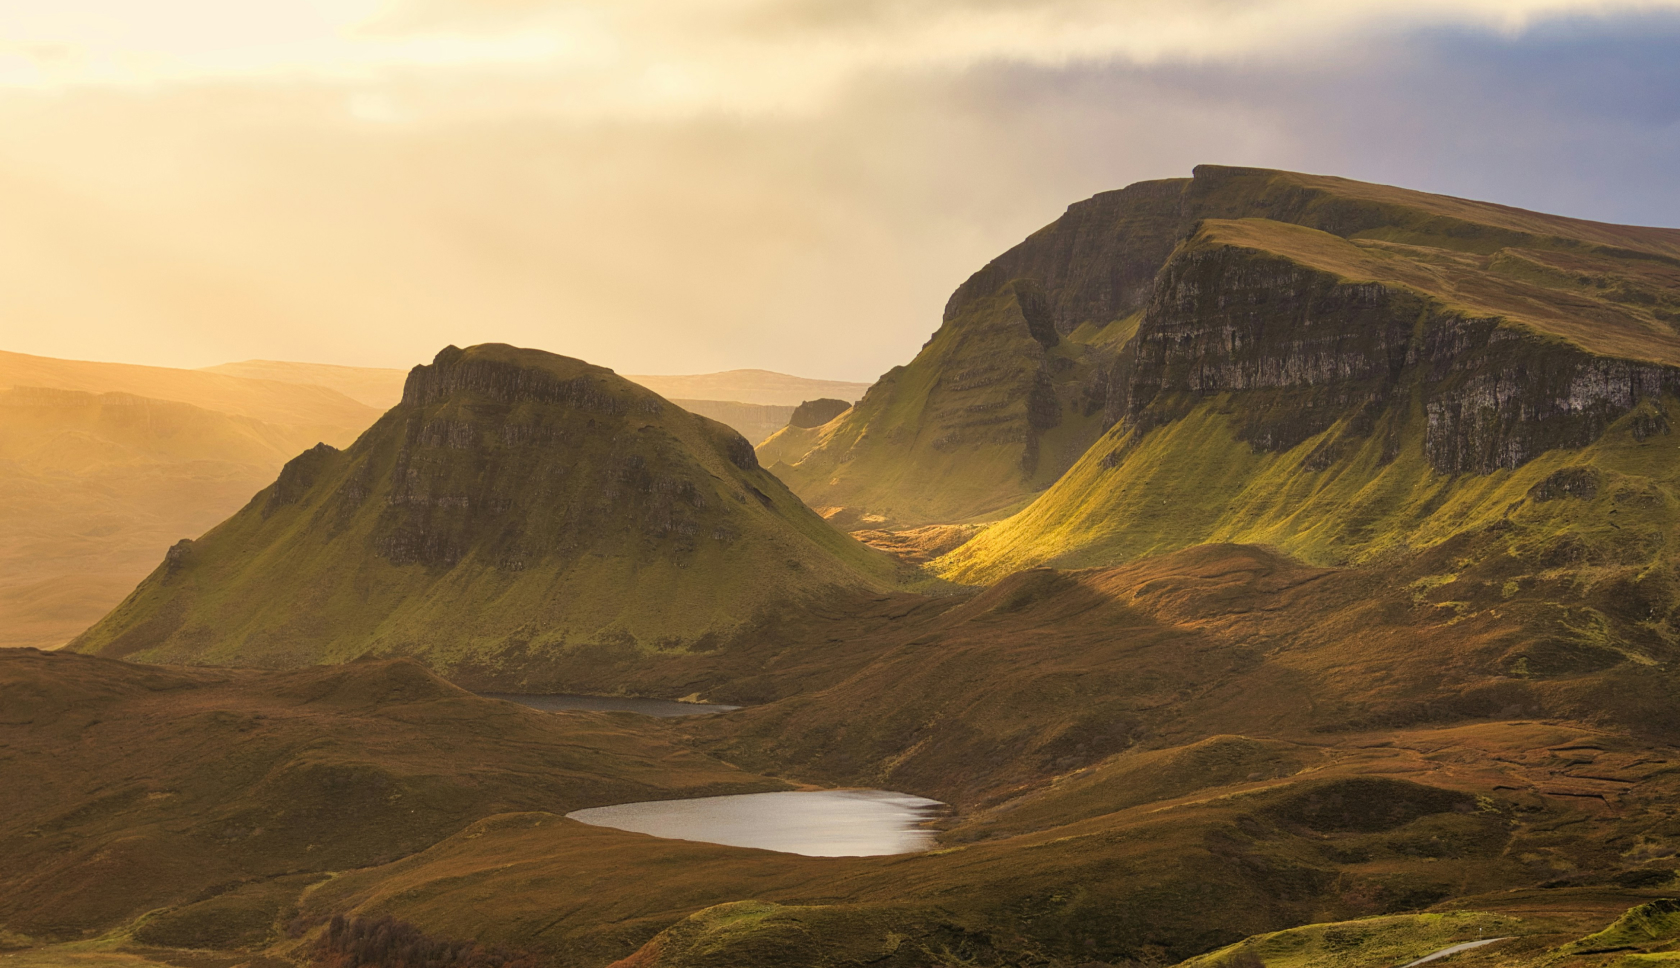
[669, 58]
[372, 221]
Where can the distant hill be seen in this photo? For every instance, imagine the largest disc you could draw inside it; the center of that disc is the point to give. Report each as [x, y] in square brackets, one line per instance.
[337, 418]
[754, 421]
[750, 386]
[376, 387]
[94, 486]
[517, 508]
[104, 465]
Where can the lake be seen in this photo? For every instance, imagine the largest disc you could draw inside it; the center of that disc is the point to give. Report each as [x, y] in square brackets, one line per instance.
[819, 823]
[560, 702]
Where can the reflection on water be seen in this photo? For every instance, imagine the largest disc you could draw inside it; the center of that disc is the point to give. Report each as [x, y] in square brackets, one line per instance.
[822, 823]
[611, 704]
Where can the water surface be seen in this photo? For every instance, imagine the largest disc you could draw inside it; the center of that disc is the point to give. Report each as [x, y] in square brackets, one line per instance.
[820, 823]
[561, 702]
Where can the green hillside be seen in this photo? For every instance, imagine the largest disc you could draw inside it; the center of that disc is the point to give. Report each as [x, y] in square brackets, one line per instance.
[1345, 399]
[1035, 359]
[515, 509]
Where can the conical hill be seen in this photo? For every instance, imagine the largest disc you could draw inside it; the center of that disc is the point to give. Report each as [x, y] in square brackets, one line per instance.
[514, 503]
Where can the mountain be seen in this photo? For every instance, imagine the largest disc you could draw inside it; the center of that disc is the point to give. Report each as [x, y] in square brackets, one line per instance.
[330, 415]
[1087, 324]
[1382, 372]
[92, 486]
[749, 386]
[517, 509]
[375, 387]
[1011, 388]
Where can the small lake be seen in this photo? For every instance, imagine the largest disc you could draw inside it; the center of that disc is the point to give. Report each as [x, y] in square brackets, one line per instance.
[819, 823]
[559, 702]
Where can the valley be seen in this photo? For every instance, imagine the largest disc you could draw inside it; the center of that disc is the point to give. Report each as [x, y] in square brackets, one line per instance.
[1255, 569]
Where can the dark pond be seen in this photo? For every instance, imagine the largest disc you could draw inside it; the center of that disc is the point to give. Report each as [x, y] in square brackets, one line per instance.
[821, 823]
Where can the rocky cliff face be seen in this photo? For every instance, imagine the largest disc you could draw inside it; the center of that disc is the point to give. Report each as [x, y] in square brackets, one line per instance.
[1010, 390]
[514, 502]
[1314, 302]
[1303, 349]
[1349, 399]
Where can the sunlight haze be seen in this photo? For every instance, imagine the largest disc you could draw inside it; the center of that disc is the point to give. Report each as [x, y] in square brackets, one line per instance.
[681, 187]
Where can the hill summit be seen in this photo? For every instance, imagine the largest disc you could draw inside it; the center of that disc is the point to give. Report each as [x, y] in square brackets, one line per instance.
[516, 506]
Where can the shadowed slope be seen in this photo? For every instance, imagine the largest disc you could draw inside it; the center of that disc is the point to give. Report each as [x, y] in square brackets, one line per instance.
[223, 794]
[515, 501]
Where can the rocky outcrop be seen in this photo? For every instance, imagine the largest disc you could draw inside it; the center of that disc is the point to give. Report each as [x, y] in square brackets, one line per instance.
[1094, 264]
[1304, 349]
[453, 372]
[815, 413]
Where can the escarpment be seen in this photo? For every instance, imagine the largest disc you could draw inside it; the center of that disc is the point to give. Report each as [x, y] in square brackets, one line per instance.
[1301, 349]
[1318, 306]
[515, 503]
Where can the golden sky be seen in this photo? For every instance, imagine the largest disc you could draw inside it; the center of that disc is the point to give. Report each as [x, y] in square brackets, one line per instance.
[682, 185]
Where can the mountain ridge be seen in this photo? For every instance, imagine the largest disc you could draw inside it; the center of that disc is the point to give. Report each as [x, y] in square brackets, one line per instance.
[1029, 368]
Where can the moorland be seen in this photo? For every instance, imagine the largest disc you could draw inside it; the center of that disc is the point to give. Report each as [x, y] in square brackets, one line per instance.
[1264, 568]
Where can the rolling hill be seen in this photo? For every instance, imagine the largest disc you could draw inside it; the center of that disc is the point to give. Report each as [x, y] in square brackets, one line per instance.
[330, 415]
[517, 510]
[94, 486]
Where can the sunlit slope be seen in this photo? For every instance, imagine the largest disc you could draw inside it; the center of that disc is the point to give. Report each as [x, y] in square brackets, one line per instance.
[1027, 368]
[94, 486]
[1345, 399]
[515, 506]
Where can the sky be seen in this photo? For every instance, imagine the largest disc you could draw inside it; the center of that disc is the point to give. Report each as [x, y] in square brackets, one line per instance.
[680, 186]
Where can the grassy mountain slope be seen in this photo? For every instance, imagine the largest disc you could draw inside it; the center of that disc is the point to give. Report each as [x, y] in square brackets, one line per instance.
[1344, 399]
[515, 503]
[93, 486]
[983, 419]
